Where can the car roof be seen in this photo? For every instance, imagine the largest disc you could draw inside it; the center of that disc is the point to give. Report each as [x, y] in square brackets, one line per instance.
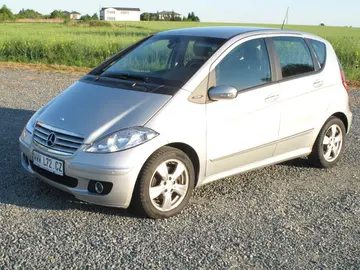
[225, 32]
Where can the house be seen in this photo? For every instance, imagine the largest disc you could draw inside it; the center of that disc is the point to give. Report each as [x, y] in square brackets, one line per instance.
[75, 15]
[66, 14]
[169, 16]
[72, 15]
[120, 14]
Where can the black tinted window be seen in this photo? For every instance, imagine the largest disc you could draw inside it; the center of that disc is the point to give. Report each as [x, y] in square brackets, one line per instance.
[294, 55]
[246, 66]
[320, 50]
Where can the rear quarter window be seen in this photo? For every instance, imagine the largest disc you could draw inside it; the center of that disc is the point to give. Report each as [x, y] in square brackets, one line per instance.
[320, 50]
[294, 56]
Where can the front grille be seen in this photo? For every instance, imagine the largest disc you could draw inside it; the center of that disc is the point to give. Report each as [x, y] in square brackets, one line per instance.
[64, 143]
[63, 180]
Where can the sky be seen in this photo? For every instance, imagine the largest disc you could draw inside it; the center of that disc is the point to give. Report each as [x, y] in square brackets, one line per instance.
[306, 12]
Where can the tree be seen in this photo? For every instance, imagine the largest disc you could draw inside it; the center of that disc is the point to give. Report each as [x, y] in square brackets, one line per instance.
[95, 17]
[85, 17]
[172, 16]
[149, 16]
[192, 17]
[322, 24]
[28, 14]
[145, 16]
[57, 14]
[6, 14]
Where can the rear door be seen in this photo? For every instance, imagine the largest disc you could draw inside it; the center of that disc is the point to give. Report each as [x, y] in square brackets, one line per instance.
[301, 87]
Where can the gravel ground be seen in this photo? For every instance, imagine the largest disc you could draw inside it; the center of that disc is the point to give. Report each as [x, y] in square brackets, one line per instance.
[288, 216]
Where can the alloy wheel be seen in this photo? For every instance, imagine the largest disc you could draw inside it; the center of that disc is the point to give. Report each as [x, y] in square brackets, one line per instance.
[169, 185]
[332, 143]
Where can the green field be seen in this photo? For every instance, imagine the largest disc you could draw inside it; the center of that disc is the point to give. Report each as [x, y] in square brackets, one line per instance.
[87, 46]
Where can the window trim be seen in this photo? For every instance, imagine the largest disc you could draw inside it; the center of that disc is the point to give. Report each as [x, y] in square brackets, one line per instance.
[277, 60]
[308, 40]
[216, 62]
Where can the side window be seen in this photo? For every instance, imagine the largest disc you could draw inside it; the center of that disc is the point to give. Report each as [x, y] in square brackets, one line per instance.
[246, 66]
[320, 50]
[294, 55]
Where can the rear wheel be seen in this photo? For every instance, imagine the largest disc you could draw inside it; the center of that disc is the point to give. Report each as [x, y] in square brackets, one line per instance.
[329, 145]
[165, 184]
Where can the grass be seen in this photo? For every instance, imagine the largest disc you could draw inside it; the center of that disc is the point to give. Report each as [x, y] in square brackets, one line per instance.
[87, 45]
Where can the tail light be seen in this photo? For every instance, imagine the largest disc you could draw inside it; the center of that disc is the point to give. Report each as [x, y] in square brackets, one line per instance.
[343, 78]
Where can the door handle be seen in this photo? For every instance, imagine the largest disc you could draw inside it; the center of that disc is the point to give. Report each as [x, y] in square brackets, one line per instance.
[318, 83]
[271, 98]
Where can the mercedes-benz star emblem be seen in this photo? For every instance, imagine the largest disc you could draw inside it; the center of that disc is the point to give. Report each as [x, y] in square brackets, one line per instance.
[51, 139]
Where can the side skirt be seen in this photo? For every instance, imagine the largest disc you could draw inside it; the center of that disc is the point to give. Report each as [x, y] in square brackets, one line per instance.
[256, 165]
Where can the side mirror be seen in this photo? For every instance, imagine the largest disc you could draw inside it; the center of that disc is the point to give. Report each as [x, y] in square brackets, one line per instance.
[223, 92]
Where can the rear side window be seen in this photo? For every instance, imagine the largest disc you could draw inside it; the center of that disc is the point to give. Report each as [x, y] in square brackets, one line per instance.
[294, 56]
[320, 50]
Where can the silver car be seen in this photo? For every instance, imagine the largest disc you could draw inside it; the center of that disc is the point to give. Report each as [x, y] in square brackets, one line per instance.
[183, 108]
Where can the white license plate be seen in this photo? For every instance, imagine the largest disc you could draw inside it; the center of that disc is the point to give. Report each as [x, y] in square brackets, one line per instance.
[47, 163]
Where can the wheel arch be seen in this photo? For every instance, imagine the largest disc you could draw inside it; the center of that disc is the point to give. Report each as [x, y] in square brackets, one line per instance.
[187, 149]
[191, 153]
[343, 118]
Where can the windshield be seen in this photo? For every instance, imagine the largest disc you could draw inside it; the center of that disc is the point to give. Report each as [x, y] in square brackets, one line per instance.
[164, 60]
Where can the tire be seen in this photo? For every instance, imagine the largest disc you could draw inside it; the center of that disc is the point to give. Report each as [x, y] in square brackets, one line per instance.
[161, 191]
[320, 156]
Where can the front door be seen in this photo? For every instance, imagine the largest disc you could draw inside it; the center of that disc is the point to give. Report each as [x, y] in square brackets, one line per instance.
[243, 130]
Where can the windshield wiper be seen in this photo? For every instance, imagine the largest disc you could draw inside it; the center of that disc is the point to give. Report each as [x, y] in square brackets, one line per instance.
[126, 77]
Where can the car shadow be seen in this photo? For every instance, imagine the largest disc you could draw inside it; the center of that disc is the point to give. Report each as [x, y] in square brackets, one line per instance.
[299, 162]
[17, 187]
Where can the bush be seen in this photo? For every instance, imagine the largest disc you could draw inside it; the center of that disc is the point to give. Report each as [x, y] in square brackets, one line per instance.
[99, 24]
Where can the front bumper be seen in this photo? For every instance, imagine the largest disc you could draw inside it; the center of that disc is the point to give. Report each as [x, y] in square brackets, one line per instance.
[121, 169]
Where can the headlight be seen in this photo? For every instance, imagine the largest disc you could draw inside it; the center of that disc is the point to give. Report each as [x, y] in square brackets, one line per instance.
[24, 134]
[122, 140]
[31, 124]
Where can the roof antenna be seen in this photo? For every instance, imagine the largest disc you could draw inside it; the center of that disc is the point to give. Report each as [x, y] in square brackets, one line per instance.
[285, 19]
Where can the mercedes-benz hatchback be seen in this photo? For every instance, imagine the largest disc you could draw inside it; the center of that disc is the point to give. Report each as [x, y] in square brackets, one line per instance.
[183, 108]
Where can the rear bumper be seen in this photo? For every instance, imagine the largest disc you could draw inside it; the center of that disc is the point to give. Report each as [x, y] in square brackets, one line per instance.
[85, 167]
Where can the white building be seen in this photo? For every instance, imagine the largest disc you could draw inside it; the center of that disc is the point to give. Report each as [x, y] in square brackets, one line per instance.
[167, 15]
[75, 15]
[120, 14]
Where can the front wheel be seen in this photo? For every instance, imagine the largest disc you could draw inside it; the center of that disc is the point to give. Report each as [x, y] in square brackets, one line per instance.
[165, 184]
[329, 145]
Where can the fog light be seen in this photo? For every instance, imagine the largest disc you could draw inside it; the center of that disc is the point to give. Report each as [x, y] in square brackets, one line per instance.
[26, 160]
[99, 188]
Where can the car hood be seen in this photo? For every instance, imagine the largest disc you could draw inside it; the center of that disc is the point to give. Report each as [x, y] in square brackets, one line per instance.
[92, 111]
